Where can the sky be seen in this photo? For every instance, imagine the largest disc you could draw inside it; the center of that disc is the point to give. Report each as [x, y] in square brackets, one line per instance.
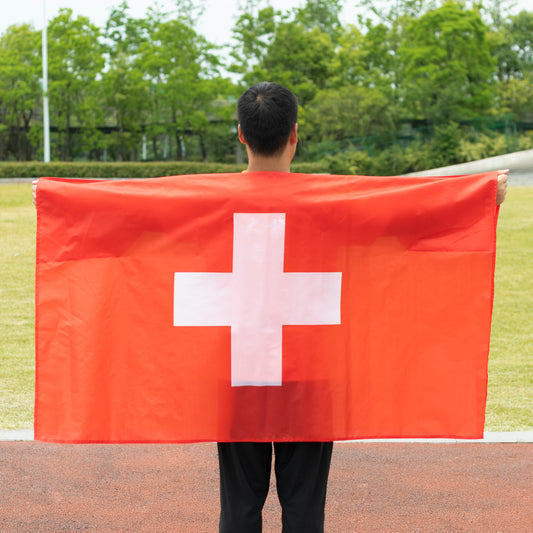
[215, 24]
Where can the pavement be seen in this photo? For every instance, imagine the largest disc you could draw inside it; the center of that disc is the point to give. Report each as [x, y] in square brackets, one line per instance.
[380, 486]
[520, 165]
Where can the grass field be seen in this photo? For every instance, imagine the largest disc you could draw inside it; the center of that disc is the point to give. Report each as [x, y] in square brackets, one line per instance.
[17, 273]
[510, 398]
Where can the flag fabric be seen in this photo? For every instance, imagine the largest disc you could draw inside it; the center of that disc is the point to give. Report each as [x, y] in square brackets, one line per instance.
[263, 307]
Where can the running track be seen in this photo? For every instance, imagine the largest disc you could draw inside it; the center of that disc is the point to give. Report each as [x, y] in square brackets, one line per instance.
[374, 487]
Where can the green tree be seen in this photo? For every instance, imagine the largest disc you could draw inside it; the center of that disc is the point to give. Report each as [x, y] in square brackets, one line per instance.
[322, 14]
[512, 46]
[367, 58]
[178, 64]
[520, 31]
[298, 58]
[75, 61]
[346, 113]
[20, 69]
[389, 13]
[516, 97]
[447, 65]
[124, 88]
[253, 33]
[189, 11]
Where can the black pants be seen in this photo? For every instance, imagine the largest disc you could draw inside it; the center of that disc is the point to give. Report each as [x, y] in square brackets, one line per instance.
[301, 469]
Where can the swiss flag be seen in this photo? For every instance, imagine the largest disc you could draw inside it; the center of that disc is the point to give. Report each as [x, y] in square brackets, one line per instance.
[263, 307]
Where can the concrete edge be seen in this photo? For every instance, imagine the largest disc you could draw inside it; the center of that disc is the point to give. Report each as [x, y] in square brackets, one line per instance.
[16, 434]
[515, 161]
[489, 437]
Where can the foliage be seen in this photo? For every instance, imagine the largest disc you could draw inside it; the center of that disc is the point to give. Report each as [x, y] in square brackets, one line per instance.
[123, 88]
[112, 170]
[448, 66]
[297, 58]
[253, 33]
[154, 89]
[351, 111]
[321, 14]
[132, 170]
[75, 61]
[19, 90]
[446, 145]
[349, 162]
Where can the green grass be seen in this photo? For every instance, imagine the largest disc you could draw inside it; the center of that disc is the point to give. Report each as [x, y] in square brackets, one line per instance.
[510, 398]
[510, 394]
[17, 274]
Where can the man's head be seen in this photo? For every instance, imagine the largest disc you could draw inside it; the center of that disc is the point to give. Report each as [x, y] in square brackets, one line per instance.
[267, 114]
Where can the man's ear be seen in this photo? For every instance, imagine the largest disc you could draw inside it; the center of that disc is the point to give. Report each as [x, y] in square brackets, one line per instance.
[241, 136]
[293, 136]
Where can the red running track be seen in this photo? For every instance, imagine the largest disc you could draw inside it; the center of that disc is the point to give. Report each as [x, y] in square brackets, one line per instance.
[383, 487]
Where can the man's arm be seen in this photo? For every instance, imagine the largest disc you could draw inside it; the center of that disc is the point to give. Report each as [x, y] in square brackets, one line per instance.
[500, 196]
[34, 191]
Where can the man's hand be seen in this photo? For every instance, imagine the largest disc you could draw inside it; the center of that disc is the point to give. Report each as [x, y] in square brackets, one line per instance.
[502, 186]
[34, 191]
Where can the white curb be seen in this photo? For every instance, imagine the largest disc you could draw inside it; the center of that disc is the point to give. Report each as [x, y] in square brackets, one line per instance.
[17, 434]
[489, 437]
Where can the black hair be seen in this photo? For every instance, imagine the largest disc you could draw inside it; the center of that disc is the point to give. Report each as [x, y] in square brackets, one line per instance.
[267, 113]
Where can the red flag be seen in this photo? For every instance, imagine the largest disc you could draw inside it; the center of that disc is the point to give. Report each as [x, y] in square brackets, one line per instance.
[263, 307]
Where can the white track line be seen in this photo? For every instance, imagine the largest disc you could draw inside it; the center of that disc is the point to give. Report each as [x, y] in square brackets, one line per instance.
[489, 437]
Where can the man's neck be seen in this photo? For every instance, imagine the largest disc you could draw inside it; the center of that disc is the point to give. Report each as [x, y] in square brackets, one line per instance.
[268, 164]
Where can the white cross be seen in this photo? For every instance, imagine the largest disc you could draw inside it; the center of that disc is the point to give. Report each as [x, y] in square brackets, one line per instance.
[257, 298]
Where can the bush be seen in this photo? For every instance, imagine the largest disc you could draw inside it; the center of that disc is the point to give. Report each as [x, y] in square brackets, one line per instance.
[133, 170]
[111, 170]
[348, 162]
[316, 167]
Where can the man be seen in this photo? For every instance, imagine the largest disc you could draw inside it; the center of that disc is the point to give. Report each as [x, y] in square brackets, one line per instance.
[268, 127]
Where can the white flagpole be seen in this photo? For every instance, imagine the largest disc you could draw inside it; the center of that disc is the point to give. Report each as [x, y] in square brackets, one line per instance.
[46, 114]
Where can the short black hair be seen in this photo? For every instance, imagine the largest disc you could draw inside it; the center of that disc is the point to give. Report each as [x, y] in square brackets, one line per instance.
[267, 113]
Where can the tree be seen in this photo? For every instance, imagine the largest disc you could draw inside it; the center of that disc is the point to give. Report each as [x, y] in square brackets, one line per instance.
[447, 65]
[178, 64]
[20, 65]
[512, 46]
[365, 59]
[321, 14]
[520, 34]
[75, 62]
[346, 113]
[298, 58]
[189, 11]
[253, 33]
[389, 13]
[124, 89]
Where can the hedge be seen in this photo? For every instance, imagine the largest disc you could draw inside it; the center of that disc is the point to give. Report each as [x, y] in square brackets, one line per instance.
[33, 169]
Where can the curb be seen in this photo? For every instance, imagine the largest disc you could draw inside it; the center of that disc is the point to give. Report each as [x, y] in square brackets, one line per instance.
[489, 437]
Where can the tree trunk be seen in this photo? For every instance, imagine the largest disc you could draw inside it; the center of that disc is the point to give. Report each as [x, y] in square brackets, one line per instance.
[67, 134]
[203, 149]
[120, 127]
[27, 144]
[179, 148]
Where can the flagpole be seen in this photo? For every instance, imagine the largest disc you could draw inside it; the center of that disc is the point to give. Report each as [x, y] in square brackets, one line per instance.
[46, 113]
